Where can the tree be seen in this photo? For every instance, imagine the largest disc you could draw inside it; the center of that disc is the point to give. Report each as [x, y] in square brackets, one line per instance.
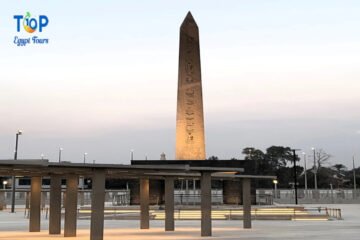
[258, 156]
[213, 158]
[279, 156]
[339, 174]
[276, 157]
[273, 162]
[340, 168]
[277, 161]
[253, 154]
[247, 152]
[321, 158]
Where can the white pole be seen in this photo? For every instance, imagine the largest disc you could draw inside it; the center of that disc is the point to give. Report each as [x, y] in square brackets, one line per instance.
[315, 169]
[332, 193]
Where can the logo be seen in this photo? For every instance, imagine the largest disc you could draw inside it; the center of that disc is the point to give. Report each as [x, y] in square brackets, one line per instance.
[31, 25]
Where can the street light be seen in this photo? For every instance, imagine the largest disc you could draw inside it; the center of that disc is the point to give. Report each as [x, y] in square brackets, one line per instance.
[4, 184]
[275, 182]
[315, 169]
[19, 132]
[295, 177]
[354, 175]
[60, 150]
[304, 154]
[132, 154]
[85, 157]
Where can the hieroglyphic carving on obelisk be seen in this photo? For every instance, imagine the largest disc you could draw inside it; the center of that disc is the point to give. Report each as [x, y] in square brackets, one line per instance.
[190, 137]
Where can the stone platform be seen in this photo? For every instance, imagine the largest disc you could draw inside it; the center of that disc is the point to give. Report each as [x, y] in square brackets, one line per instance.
[15, 227]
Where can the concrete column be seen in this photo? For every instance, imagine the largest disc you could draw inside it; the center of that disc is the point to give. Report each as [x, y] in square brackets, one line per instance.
[2, 201]
[144, 203]
[205, 204]
[169, 204]
[35, 201]
[55, 205]
[71, 206]
[97, 205]
[246, 202]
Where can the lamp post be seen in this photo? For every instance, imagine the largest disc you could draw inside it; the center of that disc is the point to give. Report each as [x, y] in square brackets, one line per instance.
[354, 173]
[306, 187]
[60, 150]
[4, 184]
[132, 154]
[19, 132]
[85, 157]
[295, 177]
[275, 182]
[315, 169]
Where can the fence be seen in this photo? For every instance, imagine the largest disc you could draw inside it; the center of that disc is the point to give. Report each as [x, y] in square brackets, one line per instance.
[313, 196]
[193, 197]
[22, 197]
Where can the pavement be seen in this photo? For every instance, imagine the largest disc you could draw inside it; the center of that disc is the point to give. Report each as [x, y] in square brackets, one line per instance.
[15, 227]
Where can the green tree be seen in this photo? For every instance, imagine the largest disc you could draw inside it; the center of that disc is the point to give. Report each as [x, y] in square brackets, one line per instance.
[277, 160]
[279, 156]
[253, 154]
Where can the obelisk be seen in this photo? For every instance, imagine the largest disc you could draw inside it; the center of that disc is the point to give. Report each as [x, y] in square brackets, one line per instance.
[190, 137]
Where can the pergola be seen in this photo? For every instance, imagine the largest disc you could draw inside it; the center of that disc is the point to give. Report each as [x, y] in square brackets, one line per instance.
[36, 169]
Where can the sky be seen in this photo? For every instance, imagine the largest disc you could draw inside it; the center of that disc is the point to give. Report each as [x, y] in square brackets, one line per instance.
[273, 73]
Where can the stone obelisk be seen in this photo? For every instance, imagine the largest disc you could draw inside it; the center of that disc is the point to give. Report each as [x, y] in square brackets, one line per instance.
[190, 137]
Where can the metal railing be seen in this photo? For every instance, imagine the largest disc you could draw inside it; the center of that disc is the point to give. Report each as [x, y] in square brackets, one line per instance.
[309, 196]
[258, 213]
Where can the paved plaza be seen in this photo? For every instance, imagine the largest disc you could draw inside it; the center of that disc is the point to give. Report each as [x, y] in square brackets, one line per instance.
[15, 227]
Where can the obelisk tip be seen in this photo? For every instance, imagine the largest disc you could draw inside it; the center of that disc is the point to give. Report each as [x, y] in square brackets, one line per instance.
[189, 15]
[189, 20]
